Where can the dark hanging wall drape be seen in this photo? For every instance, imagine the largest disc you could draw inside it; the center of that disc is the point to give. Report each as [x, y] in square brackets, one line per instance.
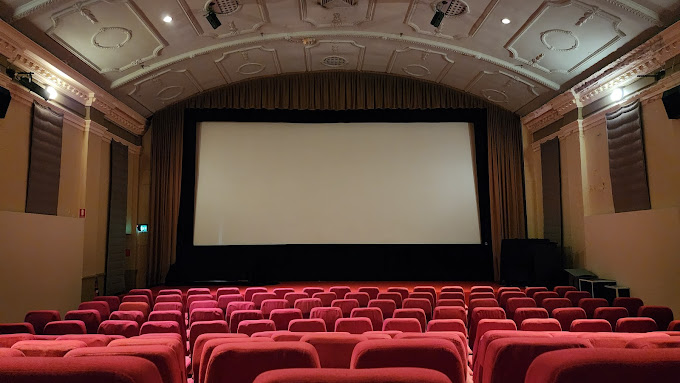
[331, 91]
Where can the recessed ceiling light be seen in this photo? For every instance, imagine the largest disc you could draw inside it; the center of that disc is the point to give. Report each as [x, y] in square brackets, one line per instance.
[167, 19]
[505, 21]
[617, 94]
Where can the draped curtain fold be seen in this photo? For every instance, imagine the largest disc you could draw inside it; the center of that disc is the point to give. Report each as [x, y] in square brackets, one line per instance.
[331, 91]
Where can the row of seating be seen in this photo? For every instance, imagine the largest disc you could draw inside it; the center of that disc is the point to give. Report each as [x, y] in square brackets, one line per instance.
[504, 356]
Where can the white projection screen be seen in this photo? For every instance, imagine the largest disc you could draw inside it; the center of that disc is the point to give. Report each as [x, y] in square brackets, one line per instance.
[264, 183]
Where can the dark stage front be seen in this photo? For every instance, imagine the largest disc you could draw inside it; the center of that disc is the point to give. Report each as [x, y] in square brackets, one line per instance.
[259, 264]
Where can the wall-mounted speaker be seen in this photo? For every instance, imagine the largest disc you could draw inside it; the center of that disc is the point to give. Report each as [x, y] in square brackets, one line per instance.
[671, 101]
[5, 98]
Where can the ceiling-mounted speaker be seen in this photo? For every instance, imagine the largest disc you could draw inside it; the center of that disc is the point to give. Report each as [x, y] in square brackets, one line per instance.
[671, 101]
[5, 98]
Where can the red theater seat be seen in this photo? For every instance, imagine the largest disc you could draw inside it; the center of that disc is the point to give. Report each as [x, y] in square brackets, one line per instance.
[428, 289]
[268, 305]
[662, 315]
[482, 295]
[136, 316]
[449, 312]
[530, 291]
[227, 291]
[209, 348]
[422, 295]
[8, 340]
[80, 370]
[372, 313]
[361, 297]
[610, 314]
[514, 303]
[113, 301]
[282, 317]
[197, 298]
[654, 342]
[16, 328]
[326, 298]
[238, 306]
[481, 289]
[282, 291]
[490, 337]
[102, 307]
[171, 315]
[199, 328]
[258, 298]
[137, 298]
[340, 291]
[419, 303]
[567, 315]
[292, 297]
[550, 304]
[240, 315]
[130, 306]
[436, 354]
[483, 302]
[125, 328]
[452, 289]
[10, 352]
[205, 314]
[243, 362]
[199, 345]
[312, 290]
[541, 295]
[146, 292]
[451, 295]
[447, 325]
[328, 314]
[504, 296]
[224, 300]
[541, 324]
[507, 360]
[486, 325]
[403, 291]
[416, 313]
[605, 365]
[524, 313]
[160, 327]
[637, 325]
[91, 318]
[91, 340]
[334, 350]
[456, 338]
[590, 304]
[394, 296]
[480, 313]
[39, 318]
[250, 327]
[64, 327]
[576, 296]
[590, 325]
[674, 326]
[198, 291]
[403, 325]
[168, 299]
[345, 305]
[307, 304]
[353, 325]
[202, 305]
[631, 304]
[169, 292]
[48, 348]
[307, 325]
[163, 357]
[561, 290]
[370, 290]
[336, 375]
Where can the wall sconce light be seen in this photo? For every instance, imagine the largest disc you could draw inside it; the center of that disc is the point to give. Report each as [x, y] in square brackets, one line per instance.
[617, 94]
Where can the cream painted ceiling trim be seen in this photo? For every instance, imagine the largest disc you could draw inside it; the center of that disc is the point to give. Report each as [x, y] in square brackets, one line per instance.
[299, 36]
[49, 70]
[645, 59]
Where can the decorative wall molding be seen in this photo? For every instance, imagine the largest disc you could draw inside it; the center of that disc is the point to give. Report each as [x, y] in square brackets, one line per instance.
[338, 19]
[638, 10]
[552, 111]
[100, 131]
[28, 56]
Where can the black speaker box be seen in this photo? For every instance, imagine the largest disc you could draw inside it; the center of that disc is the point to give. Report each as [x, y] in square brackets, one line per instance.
[5, 98]
[671, 101]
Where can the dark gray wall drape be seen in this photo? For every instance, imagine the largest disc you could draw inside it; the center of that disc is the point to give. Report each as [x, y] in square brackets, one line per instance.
[116, 242]
[330, 91]
[627, 166]
[552, 190]
[44, 165]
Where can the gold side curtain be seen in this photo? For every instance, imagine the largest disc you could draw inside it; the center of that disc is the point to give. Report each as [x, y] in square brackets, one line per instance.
[330, 91]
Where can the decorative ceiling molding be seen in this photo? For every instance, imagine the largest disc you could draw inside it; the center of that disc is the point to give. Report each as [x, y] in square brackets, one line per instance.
[431, 6]
[191, 17]
[246, 57]
[335, 54]
[57, 32]
[424, 55]
[335, 35]
[646, 58]
[33, 6]
[638, 10]
[157, 90]
[338, 19]
[115, 112]
[501, 94]
[589, 13]
[482, 19]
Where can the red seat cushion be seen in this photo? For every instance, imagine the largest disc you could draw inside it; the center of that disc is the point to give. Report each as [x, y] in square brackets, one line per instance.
[336, 375]
[334, 350]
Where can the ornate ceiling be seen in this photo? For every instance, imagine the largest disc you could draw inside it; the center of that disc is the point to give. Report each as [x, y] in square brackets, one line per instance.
[125, 47]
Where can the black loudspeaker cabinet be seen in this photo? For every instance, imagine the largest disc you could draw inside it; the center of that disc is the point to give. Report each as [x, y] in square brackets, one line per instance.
[671, 101]
[531, 262]
[5, 98]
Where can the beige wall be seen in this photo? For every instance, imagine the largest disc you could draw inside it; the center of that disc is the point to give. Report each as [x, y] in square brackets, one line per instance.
[641, 249]
[44, 258]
